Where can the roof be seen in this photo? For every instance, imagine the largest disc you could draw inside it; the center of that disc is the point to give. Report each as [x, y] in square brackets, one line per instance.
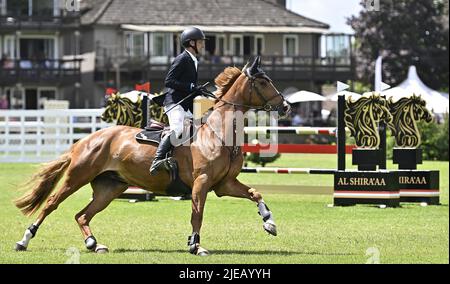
[193, 12]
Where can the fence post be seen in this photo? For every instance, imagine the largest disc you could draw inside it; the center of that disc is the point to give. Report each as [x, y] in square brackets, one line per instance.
[382, 149]
[340, 133]
[144, 108]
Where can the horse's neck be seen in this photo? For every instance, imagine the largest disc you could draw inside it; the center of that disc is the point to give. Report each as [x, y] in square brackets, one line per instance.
[222, 121]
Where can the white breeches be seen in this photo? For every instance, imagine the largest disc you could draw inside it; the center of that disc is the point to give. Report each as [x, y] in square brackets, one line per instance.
[176, 118]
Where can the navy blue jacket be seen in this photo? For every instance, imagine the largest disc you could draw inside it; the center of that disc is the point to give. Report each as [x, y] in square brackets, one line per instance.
[181, 76]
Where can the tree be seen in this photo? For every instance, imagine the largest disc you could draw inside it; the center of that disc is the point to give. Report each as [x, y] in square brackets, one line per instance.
[404, 32]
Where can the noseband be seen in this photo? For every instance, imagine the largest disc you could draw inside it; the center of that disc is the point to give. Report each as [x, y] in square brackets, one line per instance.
[267, 106]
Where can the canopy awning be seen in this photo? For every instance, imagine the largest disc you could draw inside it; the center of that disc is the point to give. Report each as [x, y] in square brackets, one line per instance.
[347, 94]
[304, 96]
[224, 29]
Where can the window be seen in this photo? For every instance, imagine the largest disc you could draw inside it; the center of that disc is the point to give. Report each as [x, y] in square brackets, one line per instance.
[16, 97]
[134, 44]
[9, 47]
[31, 7]
[161, 45]
[290, 46]
[44, 95]
[220, 45]
[17, 7]
[2, 7]
[37, 48]
[337, 46]
[29, 98]
[237, 48]
[259, 45]
[42, 8]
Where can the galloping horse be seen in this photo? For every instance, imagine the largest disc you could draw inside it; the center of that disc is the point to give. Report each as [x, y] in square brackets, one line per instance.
[111, 160]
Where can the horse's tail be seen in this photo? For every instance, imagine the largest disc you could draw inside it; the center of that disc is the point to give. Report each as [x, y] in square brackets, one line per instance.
[42, 184]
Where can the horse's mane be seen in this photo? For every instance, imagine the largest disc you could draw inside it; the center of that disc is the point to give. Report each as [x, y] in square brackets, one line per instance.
[226, 79]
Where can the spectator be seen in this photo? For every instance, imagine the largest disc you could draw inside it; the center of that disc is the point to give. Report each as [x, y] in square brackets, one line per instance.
[6, 62]
[297, 120]
[4, 102]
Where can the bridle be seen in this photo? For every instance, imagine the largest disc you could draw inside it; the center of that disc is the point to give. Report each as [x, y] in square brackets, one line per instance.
[254, 89]
[267, 106]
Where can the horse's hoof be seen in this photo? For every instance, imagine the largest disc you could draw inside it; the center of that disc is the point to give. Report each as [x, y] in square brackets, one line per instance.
[270, 228]
[202, 252]
[20, 247]
[101, 249]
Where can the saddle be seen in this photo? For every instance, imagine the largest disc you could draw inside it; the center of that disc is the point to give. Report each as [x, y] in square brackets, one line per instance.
[156, 131]
[151, 135]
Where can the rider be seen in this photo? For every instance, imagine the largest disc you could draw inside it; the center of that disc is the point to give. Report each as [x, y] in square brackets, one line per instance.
[181, 81]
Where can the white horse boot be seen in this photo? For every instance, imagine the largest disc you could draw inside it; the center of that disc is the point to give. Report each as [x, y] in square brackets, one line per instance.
[266, 214]
[27, 236]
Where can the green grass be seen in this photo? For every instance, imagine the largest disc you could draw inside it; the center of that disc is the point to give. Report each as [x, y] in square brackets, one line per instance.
[308, 231]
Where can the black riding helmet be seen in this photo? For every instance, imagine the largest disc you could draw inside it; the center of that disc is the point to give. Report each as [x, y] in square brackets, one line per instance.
[191, 34]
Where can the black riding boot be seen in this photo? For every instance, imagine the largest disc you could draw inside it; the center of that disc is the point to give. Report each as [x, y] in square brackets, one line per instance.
[164, 147]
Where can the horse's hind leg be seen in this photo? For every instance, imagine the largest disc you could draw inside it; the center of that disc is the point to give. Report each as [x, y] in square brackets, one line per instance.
[69, 186]
[106, 189]
[236, 189]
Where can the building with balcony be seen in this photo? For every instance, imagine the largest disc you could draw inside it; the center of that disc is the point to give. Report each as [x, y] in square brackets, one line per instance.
[39, 44]
[135, 41]
[123, 43]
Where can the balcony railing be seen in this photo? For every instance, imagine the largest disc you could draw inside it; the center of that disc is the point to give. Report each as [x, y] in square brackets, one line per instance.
[277, 67]
[15, 22]
[47, 71]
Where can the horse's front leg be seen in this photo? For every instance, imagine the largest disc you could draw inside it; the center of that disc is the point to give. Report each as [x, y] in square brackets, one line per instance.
[199, 193]
[235, 188]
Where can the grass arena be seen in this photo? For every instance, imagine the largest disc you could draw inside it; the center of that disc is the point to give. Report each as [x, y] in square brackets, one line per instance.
[309, 231]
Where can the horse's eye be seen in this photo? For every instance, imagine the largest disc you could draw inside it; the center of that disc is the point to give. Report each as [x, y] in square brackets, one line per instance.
[263, 83]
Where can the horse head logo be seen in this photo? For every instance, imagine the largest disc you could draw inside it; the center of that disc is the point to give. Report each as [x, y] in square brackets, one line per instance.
[122, 110]
[406, 113]
[362, 118]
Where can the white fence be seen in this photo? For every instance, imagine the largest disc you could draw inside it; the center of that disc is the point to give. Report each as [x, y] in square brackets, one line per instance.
[42, 135]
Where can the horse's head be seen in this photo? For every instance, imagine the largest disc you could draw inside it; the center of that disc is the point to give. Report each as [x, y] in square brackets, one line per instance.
[380, 109]
[260, 92]
[419, 110]
[362, 117]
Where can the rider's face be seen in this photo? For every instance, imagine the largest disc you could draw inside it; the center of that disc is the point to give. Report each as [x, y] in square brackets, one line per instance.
[200, 45]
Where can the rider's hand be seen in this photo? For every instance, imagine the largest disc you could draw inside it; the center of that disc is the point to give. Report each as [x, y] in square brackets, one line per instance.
[197, 89]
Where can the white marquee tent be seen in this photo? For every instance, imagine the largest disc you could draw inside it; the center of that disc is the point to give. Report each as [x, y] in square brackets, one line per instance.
[436, 101]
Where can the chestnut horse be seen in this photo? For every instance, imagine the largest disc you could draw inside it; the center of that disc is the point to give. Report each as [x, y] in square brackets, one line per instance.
[111, 160]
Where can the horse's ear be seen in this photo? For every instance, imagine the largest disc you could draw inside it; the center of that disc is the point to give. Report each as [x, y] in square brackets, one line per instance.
[258, 60]
[254, 68]
[246, 66]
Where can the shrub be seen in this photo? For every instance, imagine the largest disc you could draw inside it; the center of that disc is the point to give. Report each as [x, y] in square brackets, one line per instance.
[434, 140]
